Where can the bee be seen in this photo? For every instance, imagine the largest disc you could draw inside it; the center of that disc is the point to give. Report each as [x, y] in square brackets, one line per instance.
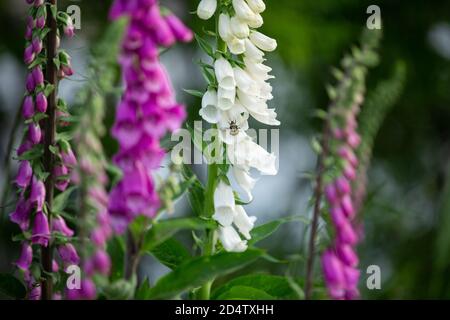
[234, 128]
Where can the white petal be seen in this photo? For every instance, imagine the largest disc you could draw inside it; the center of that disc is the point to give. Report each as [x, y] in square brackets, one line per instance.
[242, 10]
[206, 9]
[226, 98]
[224, 73]
[256, 21]
[239, 28]
[231, 240]
[236, 45]
[262, 41]
[257, 6]
[245, 181]
[225, 27]
[243, 222]
[243, 81]
[252, 52]
[224, 204]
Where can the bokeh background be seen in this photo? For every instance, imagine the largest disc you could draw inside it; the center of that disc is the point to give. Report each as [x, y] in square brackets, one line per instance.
[407, 215]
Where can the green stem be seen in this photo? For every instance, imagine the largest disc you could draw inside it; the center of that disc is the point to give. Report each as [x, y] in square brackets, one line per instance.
[208, 248]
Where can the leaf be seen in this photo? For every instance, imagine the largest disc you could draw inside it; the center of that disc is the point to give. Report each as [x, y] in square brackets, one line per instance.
[196, 193]
[194, 93]
[49, 89]
[171, 253]
[11, 286]
[263, 231]
[60, 201]
[116, 250]
[194, 273]
[245, 293]
[161, 231]
[143, 290]
[277, 287]
[34, 153]
[205, 46]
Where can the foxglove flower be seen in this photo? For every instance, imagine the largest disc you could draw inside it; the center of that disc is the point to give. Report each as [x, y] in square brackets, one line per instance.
[242, 92]
[147, 111]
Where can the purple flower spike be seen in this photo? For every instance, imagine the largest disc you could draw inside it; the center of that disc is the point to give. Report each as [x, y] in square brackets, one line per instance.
[26, 257]
[41, 231]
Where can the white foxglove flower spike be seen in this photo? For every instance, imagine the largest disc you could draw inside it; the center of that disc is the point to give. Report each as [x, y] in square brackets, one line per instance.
[206, 9]
[245, 181]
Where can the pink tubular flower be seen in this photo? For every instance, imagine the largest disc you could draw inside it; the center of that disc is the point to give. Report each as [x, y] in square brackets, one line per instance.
[41, 231]
[26, 257]
[68, 254]
[147, 111]
[59, 225]
[23, 178]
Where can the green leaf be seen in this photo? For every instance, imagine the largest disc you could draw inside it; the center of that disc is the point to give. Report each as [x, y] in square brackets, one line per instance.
[171, 253]
[263, 231]
[116, 250]
[206, 47]
[194, 93]
[196, 193]
[245, 293]
[161, 231]
[11, 286]
[60, 201]
[194, 273]
[143, 290]
[34, 153]
[277, 287]
[49, 89]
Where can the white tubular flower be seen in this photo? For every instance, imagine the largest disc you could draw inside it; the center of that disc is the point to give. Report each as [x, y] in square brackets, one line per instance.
[258, 109]
[225, 27]
[242, 10]
[252, 52]
[224, 73]
[239, 28]
[245, 181]
[226, 98]
[243, 81]
[247, 154]
[224, 204]
[231, 240]
[262, 41]
[243, 222]
[206, 9]
[258, 71]
[209, 111]
[257, 6]
[256, 21]
[236, 45]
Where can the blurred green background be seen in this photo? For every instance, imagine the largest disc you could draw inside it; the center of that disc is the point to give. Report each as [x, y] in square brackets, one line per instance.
[407, 215]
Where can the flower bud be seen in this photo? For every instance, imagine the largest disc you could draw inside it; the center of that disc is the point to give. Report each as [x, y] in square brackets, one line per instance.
[41, 102]
[262, 41]
[29, 54]
[23, 178]
[41, 231]
[179, 29]
[206, 9]
[28, 107]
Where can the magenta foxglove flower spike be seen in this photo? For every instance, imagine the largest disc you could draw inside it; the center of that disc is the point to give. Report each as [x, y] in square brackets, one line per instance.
[147, 110]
